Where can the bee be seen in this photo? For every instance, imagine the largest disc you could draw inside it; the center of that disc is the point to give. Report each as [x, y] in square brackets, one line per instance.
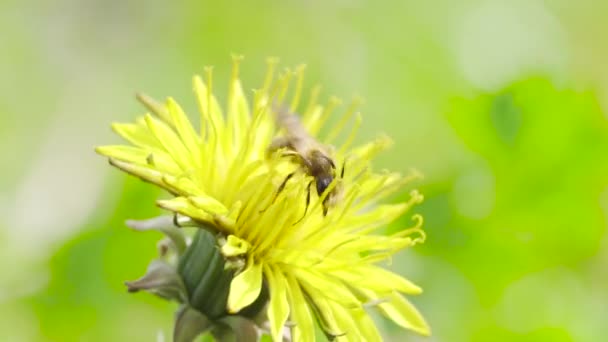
[312, 157]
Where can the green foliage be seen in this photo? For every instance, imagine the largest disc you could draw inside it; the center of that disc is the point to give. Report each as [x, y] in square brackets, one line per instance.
[534, 179]
[86, 298]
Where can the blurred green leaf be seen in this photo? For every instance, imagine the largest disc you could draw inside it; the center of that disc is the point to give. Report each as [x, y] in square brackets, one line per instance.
[542, 148]
[86, 298]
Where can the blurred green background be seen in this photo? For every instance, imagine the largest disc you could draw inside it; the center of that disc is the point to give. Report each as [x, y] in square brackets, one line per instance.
[501, 104]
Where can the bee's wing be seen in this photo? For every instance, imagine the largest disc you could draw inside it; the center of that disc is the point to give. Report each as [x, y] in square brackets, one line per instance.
[290, 122]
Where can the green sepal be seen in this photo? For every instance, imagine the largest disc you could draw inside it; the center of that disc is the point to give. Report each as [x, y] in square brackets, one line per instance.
[165, 225]
[189, 323]
[162, 280]
[206, 280]
[236, 329]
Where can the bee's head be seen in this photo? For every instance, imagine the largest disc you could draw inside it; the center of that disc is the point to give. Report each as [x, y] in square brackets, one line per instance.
[323, 182]
[333, 197]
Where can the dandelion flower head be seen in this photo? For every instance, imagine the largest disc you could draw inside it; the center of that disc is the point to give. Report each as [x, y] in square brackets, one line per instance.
[317, 268]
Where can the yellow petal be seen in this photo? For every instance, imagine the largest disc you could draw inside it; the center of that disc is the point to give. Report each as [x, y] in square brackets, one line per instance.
[235, 246]
[171, 142]
[184, 128]
[278, 309]
[344, 320]
[304, 329]
[245, 287]
[183, 206]
[185, 185]
[209, 204]
[371, 149]
[359, 157]
[238, 117]
[125, 153]
[402, 312]
[370, 243]
[143, 172]
[208, 106]
[366, 325]
[315, 123]
[377, 279]
[138, 134]
[157, 160]
[326, 286]
[155, 107]
[378, 217]
[242, 105]
[325, 315]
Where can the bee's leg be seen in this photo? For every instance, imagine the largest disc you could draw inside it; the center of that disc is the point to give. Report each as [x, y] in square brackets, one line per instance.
[291, 154]
[307, 202]
[326, 201]
[277, 144]
[279, 189]
[282, 186]
[325, 208]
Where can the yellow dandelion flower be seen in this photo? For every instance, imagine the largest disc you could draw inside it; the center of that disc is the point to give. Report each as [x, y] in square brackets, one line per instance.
[316, 266]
